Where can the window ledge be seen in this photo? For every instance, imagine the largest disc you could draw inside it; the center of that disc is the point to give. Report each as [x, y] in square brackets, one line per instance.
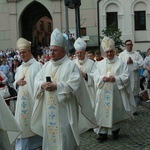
[141, 41]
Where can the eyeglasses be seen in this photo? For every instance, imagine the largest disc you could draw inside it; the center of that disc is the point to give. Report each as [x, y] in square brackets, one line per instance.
[129, 44]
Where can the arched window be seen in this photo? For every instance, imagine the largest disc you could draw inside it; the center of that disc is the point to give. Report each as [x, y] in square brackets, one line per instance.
[140, 16]
[112, 15]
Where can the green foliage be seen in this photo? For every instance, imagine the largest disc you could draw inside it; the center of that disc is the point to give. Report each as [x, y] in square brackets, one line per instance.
[114, 33]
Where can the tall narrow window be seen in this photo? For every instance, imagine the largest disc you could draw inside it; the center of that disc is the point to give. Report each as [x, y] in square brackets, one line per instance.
[140, 20]
[112, 18]
[83, 31]
[49, 27]
[41, 26]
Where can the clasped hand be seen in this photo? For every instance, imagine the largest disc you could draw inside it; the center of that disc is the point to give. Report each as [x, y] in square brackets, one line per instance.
[129, 61]
[49, 86]
[109, 79]
[21, 82]
[83, 74]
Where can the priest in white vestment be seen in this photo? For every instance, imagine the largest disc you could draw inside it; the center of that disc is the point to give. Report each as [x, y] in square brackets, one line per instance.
[9, 128]
[134, 62]
[24, 84]
[87, 67]
[114, 101]
[59, 89]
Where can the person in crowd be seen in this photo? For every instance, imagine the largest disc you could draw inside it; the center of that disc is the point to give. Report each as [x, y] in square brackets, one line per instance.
[9, 128]
[90, 55]
[1, 59]
[47, 50]
[1, 53]
[24, 84]
[16, 56]
[6, 70]
[146, 74]
[98, 56]
[16, 64]
[59, 88]
[142, 79]
[5, 67]
[71, 41]
[87, 67]
[3, 79]
[114, 100]
[141, 74]
[3, 83]
[70, 55]
[134, 62]
[9, 60]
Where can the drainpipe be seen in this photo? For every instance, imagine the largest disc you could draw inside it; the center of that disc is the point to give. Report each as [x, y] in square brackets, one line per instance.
[77, 15]
[67, 27]
[98, 23]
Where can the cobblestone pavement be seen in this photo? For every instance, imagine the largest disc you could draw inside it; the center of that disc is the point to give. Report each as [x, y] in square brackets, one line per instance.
[135, 137]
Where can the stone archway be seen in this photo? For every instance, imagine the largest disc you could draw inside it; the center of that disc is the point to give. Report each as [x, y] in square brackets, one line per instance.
[29, 18]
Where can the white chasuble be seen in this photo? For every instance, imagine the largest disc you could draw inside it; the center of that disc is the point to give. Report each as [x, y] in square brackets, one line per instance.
[55, 114]
[113, 100]
[23, 106]
[133, 68]
[25, 98]
[9, 128]
[81, 64]
[87, 66]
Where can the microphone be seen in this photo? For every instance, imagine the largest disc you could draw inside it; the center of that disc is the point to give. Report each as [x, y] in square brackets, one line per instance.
[48, 79]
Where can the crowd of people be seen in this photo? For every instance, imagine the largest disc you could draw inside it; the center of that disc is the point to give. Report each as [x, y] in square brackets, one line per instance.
[60, 97]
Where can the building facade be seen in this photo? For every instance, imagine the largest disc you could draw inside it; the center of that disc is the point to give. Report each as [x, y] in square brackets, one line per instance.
[19, 17]
[24, 18]
[132, 18]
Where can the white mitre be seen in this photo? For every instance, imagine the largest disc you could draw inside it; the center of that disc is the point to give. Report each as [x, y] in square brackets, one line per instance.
[80, 44]
[58, 39]
[23, 44]
[107, 44]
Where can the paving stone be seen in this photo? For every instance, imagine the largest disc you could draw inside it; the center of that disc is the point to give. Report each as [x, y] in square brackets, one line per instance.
[135, 137]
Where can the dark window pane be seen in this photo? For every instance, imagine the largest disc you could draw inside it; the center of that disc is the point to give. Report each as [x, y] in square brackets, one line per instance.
[140, 20]
[41, 25]
[83, 31]
[49, 27]
[112, 18]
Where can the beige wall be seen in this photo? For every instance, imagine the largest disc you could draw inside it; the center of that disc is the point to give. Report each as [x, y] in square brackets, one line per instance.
[4, 25]
[10, 19]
